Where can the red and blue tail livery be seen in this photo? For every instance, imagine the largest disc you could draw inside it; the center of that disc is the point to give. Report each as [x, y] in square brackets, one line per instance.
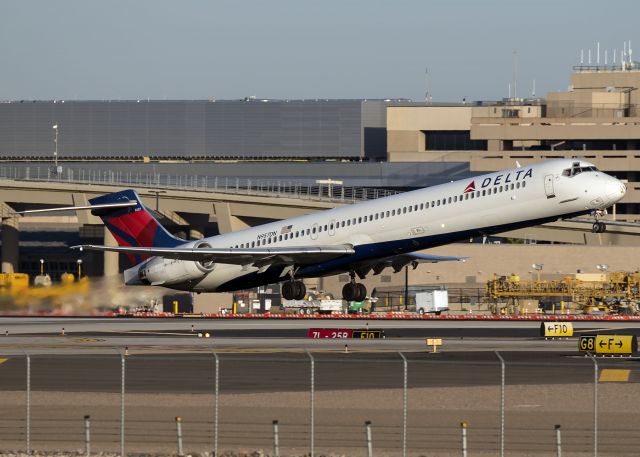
[133, 226]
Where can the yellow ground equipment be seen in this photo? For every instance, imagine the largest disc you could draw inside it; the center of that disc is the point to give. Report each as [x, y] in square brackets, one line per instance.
[613, 293]
[15, 291]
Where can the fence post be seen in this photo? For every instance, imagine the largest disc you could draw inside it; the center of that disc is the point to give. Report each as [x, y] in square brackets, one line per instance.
[558, 442]
[87, 436]
[404, 405]
[312, 404]
[217, 404]
[595, 404]
[179, 435]
[464, 425]
[28, 424]
[367, 426]
[122, 379]
[276, 439]
[502, 368]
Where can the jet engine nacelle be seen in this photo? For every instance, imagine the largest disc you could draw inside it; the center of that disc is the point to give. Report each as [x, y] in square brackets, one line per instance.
[164, 271]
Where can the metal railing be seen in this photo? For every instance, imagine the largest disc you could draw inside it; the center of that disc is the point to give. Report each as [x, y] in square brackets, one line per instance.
[195, 183]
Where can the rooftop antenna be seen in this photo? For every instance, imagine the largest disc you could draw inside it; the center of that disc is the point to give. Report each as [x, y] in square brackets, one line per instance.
[630, 52]
[533, 91]
[606, 57]
[427, 92]
[515, 73]
[614, 57]
[509, 91]
[598, 53]
[581, 56]
[623, 58]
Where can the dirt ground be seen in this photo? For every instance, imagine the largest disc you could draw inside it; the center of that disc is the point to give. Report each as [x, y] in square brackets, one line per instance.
[246, 421]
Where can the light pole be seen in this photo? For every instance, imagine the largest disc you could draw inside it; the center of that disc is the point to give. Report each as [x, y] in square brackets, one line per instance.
[79, 262]
[41, 267]
[538, 268]
[55, 152]
[157, 194]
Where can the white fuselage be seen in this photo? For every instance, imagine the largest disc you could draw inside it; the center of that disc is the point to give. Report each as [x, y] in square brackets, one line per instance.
[405, 222]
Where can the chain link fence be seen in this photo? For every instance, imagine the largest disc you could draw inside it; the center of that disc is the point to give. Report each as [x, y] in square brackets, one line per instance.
[316, 403]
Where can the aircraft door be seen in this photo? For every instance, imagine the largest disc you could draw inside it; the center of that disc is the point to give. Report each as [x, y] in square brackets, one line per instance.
[314, 232]
[548, 186]
[332, 227]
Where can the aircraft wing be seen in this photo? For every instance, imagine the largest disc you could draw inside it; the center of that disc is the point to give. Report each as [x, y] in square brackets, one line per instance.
[255, 256]
[398, 262]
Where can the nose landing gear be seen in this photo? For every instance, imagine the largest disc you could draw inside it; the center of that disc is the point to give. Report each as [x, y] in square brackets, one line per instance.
[599, 227]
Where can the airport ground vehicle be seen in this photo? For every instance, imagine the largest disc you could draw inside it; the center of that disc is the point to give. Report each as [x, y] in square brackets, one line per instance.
[312, 306]
[433, 301]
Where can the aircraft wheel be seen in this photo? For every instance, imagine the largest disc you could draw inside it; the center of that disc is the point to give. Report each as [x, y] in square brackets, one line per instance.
[599, 227]
[299, 290]
[287, 290]
[349, 291]
[361, 293]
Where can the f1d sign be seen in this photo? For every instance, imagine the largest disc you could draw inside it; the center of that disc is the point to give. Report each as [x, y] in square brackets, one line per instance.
[556, 329]
[608, 344]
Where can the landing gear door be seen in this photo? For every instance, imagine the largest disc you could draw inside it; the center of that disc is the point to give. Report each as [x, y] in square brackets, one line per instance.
[548, 186]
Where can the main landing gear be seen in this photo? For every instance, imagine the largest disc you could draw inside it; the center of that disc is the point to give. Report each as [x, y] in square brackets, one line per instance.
[293, 290]
[354, 291]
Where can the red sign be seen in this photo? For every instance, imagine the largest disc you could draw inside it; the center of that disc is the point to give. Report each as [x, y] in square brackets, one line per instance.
[329, 333]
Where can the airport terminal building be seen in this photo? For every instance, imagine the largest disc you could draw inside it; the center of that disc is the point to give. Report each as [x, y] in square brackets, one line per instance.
[366, 144]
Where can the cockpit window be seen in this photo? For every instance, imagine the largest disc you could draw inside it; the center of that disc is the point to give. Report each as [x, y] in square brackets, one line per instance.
[575, 170]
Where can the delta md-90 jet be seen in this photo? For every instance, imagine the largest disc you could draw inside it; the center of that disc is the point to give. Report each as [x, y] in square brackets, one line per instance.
[358, 239]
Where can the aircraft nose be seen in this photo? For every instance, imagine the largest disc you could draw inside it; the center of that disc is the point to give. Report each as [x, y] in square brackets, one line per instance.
[615, 190]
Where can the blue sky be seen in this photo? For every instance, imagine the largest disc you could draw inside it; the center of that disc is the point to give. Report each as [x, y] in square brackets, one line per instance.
[84, 49]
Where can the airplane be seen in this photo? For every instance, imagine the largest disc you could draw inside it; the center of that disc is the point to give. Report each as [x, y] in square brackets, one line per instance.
[356, 239]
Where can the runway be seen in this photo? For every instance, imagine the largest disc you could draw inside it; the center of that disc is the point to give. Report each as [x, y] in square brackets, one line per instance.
[159, 352]
[146, 336]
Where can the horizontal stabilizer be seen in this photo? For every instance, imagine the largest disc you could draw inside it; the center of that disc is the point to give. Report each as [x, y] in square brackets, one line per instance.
[73, 208]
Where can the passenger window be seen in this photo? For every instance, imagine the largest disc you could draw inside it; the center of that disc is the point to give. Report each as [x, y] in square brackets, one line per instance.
[421, 206]
[473, 195]
[330, 227]
[325, 227]
[280, 238]
[415, 207]
[523, 183]
[360, 220]
[309, 230]
[455, 198]
[314, 230]
[387, 213]
[518, 185]
[449, 200]
[438, 202]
